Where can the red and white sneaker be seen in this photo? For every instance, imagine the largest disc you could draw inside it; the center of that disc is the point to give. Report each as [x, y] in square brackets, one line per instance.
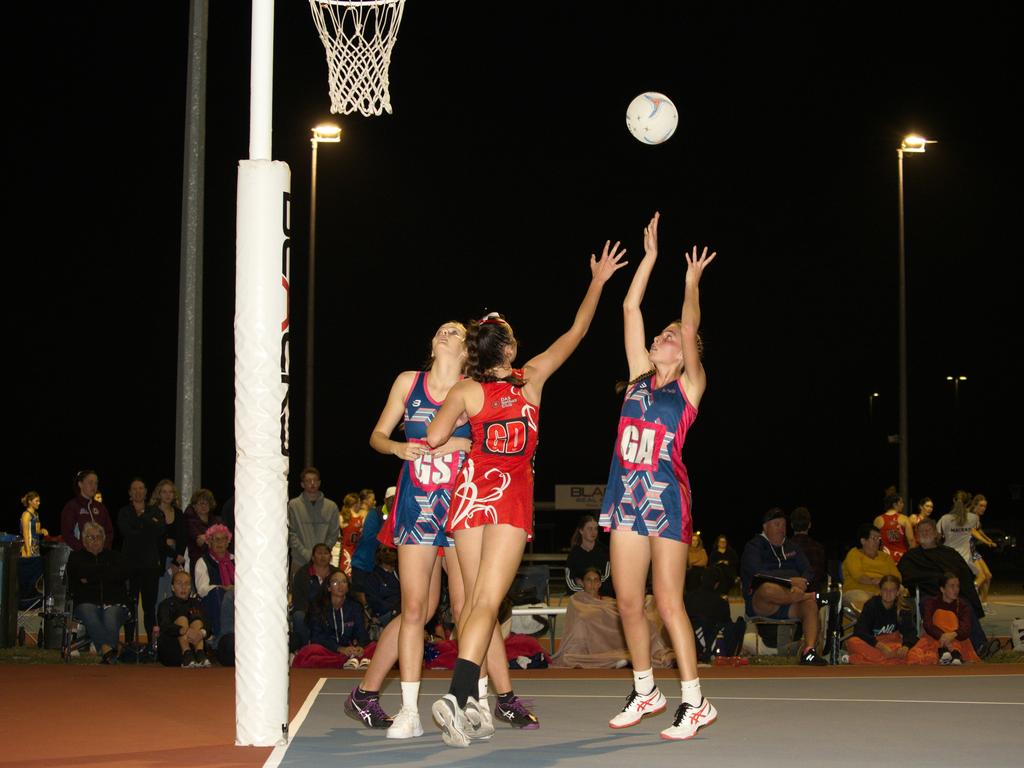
[689, 719]
[638, 706]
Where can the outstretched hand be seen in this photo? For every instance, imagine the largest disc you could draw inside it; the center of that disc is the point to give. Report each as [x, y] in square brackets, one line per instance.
[651, 236]
[610, 261]
[695, 264]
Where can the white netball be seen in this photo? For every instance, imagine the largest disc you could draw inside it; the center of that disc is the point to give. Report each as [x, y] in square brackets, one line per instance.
[652, 118]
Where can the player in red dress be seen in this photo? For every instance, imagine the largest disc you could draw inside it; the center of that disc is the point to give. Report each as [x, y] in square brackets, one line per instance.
[492, 509]
[647, 504]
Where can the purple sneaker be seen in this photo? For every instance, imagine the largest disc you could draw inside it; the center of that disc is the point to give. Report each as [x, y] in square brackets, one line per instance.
[515, 713]
[366, 708]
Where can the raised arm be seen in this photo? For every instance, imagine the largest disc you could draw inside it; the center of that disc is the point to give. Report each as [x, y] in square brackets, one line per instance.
[632, 317]
[454, 412]
[694, 380]
[380, 438]
[538, 369]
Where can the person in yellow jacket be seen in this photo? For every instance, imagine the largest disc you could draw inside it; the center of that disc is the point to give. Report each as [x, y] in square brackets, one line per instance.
[864, 567]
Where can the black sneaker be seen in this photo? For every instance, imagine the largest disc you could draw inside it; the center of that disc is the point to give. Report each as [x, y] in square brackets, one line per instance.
[956, 659]
[200, 659]
[366, 708]
[188, 659]
[812, 659]
[515, 713]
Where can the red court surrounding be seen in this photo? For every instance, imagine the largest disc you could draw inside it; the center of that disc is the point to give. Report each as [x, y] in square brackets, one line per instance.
[140, 716]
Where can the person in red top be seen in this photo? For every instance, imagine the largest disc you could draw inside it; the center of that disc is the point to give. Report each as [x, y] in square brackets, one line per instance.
[491, 514]
[897, 532]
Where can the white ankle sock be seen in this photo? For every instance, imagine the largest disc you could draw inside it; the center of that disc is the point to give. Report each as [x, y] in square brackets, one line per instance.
[482, 688]
[691, 692]
[643, 681]
[410, 694]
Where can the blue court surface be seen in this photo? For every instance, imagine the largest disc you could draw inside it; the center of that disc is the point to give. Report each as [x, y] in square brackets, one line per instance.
[961, 720]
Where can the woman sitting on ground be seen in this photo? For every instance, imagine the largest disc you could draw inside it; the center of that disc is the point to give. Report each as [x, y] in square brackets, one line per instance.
[593, 637]
[883, 634]
[947, 624]
[182, 625]
[96, 582]
[337, 631]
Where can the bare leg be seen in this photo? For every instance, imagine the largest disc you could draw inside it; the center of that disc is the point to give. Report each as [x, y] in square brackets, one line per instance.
[669, 576]
[420, 568]
[386, 653]
[631, 558]
[770, 597]
[462, 575]
[182, 622]
[500, 554]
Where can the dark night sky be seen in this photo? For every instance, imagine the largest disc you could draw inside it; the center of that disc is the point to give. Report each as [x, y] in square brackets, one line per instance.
[505, 165]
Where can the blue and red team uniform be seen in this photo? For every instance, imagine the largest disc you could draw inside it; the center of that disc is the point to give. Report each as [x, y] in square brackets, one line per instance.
[495, 485]
[648, 489]
[424, 488]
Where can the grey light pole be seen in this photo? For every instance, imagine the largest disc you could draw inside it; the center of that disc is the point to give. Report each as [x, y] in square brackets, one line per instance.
[914, 145]
[326, 134]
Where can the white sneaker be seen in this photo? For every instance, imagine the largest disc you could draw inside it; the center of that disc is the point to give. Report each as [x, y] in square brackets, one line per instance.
[478, 716]
[352, 663]
[689, 720]
[406, 724]
[454, 729]
[638, 707]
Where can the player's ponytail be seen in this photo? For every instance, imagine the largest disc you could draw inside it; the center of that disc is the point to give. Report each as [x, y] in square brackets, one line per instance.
[485, 348]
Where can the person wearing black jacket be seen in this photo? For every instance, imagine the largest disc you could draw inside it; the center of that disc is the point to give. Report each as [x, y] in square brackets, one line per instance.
[923, 566]
[182, 623]
[141, 528]
[96, 581]
[884, 634]
[383, 592]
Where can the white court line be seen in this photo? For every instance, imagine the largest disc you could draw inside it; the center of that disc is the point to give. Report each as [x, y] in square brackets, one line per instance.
[293, 727]
[751, 698]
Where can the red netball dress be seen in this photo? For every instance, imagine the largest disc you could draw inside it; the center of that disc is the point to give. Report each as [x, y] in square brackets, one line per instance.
[495, 484]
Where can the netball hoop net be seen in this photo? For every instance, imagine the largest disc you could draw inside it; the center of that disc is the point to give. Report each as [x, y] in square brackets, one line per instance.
[358, 36]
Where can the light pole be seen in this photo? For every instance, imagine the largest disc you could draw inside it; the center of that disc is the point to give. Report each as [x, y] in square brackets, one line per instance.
[871, 407]
[326, 134]
[914, 145]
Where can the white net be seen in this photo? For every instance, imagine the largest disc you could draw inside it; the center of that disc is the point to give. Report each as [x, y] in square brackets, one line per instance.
[358, 37]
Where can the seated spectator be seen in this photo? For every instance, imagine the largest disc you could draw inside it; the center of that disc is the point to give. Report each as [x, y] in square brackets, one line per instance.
[383, 593]
[883, 633]
[365, 555]
[924, 566]
[84, 508]
[725, 558]
[198, 518]
[215, 575]
[895, 528]
[585, 551]
[593, 637]
[864, 567]
[947, 625]
[182, 625]
[769, 559]
[800, 522]
[141, 528]
[336, 628]
[306, 587]
[96, 583]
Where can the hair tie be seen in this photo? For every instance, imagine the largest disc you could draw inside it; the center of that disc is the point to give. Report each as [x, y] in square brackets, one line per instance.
[492, 317]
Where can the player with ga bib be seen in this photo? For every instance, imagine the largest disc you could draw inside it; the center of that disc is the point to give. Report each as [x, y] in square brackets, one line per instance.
[647, 501]
[492, 507]
[416, 526]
